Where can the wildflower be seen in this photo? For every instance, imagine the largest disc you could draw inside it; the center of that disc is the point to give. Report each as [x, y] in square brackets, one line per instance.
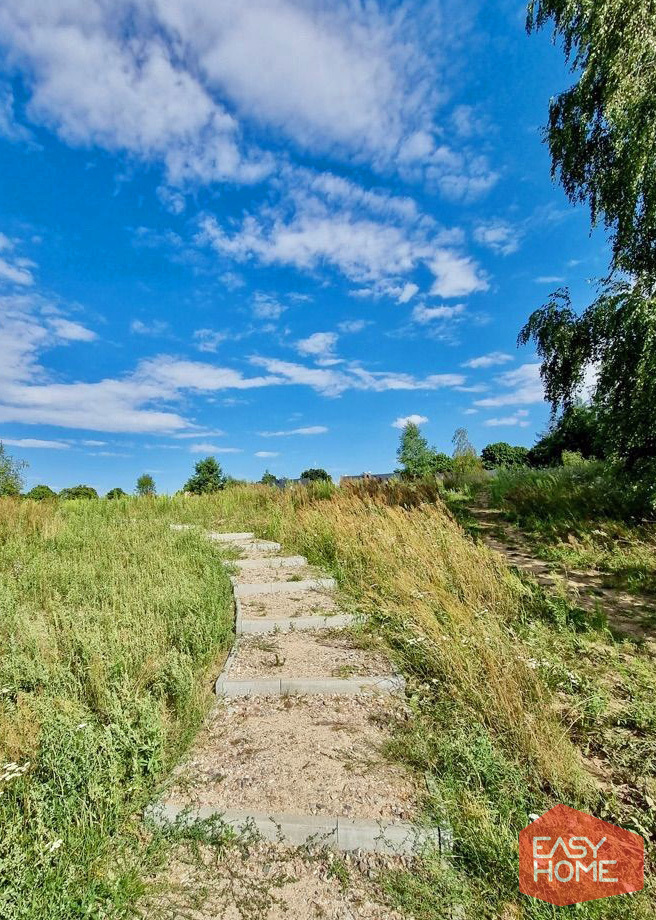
[54, 845]
[82, 725]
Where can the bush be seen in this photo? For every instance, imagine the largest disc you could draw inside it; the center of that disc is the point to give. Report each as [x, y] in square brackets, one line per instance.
[315, 475]
[116, 493]
[78, 492]
[576, 429]
[503, 454]
[41, 494]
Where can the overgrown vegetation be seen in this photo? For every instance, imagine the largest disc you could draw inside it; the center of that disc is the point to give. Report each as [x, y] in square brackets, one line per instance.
[516, 696]
[109, 623]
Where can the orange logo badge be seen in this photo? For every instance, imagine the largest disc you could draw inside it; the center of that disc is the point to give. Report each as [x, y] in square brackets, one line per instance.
[566, 857]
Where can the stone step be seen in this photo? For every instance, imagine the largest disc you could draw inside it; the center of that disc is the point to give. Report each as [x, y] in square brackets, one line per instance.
[344, 686]
[342, 834]
[257, 546]
[262, 625]
[284, 587]
[229, 537]
[272, 562]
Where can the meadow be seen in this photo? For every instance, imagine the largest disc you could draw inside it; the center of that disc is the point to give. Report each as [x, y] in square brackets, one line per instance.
[112, 624]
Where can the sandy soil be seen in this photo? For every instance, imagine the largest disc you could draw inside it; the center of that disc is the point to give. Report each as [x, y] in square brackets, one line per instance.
[298, 755]
[279, 606]
[268, 881]
[268, 574]
[298, 654]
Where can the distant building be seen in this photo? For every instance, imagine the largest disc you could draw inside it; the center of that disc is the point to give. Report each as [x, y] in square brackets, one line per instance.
[377, 477]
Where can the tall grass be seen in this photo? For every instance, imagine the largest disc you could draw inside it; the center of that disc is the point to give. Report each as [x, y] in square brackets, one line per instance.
[487, 734]
[109, 621]
[592, 490]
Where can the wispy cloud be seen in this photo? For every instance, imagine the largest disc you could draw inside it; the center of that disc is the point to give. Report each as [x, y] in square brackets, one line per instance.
[522, 386]
[35, 443]
[491, 359]
[404, 420]
[266, 453]
[517, 419]
[213, 449]
[499, 236]
[310, 430]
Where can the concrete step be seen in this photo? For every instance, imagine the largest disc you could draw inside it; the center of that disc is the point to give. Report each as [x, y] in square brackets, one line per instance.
[229, 537]
[273, 562]
[343, 834]
[344, 686]
[284, 587]
[250, 627]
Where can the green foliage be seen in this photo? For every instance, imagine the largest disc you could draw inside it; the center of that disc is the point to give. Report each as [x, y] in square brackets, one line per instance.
[467, 469]
[105, 637]
[268, 479]
[503, 454]
[41, 493]
[11, 480]
[575, 429]
[116, 493]
[316, 475]
[602, 130]
[207, 478]
[417, 458]
[86, 492]
[588, 491]
[145, 487]
[616, 334]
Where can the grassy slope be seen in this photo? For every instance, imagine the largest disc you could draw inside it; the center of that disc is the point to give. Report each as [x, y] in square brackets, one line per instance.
[507, 687]
[109, 623]
[578, 516]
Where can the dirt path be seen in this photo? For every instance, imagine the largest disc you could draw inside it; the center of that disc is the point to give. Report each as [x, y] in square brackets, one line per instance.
[293, 750]
[628, 614]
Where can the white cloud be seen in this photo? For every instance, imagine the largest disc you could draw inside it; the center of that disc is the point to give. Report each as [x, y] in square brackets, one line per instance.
[15, 273]
[470, 412]
[522, 386]
[172, 200]
[456, 275]
[266, 453]
[402, 421]
[309, 430]
[517, 419]
[199, 434]
[499, 236]
[331, 382]
[267, 307]
[408, 292]
[156, 327]
[423, 314]
[36, 443]
[549, 279]
[320, 346]
[352, 325]
[208, 340]
[213, 449]
[10, 128]
[489, 360]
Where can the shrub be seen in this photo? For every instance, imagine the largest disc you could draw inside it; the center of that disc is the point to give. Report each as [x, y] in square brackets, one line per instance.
[78, 492]
[116, 493]
[268, 479]
[41, 493]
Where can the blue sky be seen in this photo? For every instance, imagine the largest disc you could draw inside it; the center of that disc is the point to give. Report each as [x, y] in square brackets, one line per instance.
[272, 231]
